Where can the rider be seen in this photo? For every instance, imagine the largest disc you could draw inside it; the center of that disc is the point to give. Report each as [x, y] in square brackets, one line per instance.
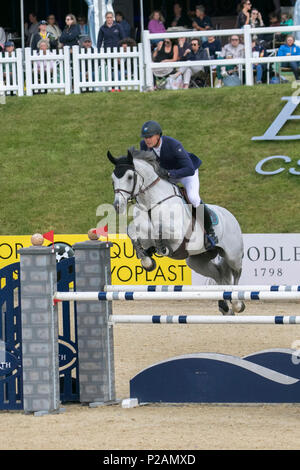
[178, 165]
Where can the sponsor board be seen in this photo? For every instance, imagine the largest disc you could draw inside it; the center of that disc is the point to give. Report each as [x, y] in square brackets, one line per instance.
[268, 259]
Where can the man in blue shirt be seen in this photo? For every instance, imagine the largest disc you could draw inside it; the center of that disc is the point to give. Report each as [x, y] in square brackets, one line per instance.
[177, 165]
[290, 49]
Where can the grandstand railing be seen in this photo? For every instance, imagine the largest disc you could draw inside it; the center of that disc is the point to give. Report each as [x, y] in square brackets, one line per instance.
[11, 73]
[246, 33]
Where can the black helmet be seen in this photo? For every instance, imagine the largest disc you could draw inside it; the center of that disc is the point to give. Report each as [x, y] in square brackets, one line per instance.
[151, 128]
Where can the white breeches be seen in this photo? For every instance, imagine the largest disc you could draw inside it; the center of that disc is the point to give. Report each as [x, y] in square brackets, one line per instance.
[192, 186]
[187, 72]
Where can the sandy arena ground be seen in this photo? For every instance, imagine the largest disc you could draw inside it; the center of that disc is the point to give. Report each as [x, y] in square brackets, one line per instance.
[190, 427]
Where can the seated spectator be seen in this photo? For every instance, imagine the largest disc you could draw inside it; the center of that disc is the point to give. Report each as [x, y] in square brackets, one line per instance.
[258, 50]
[9, 48]
[213, 45]
[256, 20]
[43, 46]
[120, 19]
[31, 29]
[244, 14]
[2, 37]
[110, 33]
[274, 19]
[43, 34]
[179, 18]
[195, 53]
[290, 49]
[166, 51]
[286, 20]
[156, 25]
[71, 32]
[53, 28]
[84, 27]
[85, 42]
[183, 45]
[127, 42]
[232, 50]
[201, 22]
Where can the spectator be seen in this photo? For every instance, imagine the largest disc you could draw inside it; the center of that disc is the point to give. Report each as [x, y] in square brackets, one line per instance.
[274, 19]
[53, 28]
[183, 45]
[286, 20]
[179, 18]
[71, 32]
[290, 49]
[43, 34]
[258, 51]
[2, 37]
[244, 15]
[84, 27]
[8, 47]
[201, 22]
[110, 33]
[127, 42]
[213, 45]
[120, 19]
[232, 50]
[166, 51]
[156, 25]
[43, 46]
[31, 29]
[256, 20]
[85, 42]
[195, 53]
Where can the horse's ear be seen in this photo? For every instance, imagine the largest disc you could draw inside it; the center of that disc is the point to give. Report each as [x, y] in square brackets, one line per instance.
[111, 158]
[129, 157]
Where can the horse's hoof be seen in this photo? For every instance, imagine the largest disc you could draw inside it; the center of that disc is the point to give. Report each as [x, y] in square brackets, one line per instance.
[224, 308]
[238, 306]
[149, 266]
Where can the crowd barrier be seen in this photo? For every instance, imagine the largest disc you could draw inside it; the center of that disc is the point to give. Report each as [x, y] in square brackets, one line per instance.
[269, 376]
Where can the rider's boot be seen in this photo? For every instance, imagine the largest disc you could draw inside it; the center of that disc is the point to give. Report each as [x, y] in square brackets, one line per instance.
[210, 238]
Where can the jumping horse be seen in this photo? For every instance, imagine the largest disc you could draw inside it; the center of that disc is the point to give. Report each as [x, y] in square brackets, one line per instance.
[164, 223]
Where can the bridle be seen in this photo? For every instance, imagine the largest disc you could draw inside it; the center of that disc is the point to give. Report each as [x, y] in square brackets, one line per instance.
[133, 196]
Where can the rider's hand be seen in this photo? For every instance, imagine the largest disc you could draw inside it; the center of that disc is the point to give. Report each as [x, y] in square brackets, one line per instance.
[163, 173]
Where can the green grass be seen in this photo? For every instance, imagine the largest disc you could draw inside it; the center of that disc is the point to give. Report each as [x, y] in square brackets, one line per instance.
[54, 171]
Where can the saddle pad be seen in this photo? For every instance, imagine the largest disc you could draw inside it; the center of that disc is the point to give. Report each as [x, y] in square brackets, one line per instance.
[213, 216]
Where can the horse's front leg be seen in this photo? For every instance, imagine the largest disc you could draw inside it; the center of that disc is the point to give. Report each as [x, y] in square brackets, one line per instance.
[139, 234]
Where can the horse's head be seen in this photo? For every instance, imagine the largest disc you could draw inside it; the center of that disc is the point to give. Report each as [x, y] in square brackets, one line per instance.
[124, 179]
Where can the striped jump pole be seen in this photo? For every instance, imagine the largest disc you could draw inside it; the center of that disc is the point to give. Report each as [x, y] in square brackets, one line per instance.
[213, 287]
[207, 295]
[206, 319]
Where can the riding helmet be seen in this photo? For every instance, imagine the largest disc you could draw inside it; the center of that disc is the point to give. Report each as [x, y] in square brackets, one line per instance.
[151, 128]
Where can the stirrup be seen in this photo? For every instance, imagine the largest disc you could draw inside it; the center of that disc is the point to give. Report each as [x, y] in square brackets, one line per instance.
[210, 241]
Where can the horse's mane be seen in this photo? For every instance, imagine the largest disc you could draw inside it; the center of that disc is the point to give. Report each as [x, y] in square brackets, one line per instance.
[145, 155]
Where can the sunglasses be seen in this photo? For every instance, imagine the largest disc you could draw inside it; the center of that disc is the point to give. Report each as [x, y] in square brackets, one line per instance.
[194, 43]
[234, 39]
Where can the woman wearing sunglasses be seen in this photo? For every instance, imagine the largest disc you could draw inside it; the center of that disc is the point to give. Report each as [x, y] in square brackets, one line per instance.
[71, 33]
[244, 15]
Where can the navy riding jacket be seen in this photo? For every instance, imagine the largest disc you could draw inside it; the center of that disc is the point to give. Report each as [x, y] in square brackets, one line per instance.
[174, 158]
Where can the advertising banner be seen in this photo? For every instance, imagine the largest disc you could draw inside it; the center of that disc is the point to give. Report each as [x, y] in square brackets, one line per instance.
[268, 259]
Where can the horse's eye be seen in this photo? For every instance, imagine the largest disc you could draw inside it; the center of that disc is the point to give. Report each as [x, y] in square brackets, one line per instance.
[130, 177]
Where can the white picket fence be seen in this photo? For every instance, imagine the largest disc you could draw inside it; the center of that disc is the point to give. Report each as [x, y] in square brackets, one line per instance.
[77, 71]
[81, 70]
[11, 74]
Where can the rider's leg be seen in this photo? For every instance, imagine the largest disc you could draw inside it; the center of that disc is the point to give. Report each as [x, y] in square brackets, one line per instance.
[192, 186]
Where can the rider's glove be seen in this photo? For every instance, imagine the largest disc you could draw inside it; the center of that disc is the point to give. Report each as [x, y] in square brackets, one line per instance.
[163, 173]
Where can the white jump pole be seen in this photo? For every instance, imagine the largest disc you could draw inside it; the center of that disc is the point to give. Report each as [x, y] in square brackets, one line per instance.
[206, 319]
[208, 295]
[213, 287]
